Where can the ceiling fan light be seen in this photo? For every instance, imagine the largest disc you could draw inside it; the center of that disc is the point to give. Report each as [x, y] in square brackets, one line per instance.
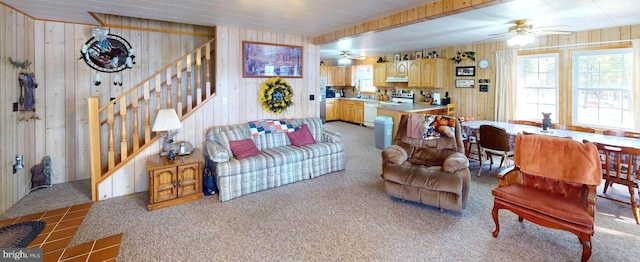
[521, 40]
[344, 61]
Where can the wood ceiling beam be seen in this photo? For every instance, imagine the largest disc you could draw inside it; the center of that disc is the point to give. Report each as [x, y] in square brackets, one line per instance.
[437, 9]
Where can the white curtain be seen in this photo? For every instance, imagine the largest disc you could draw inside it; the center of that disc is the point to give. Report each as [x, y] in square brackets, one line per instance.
[636, 83]
[506, 84]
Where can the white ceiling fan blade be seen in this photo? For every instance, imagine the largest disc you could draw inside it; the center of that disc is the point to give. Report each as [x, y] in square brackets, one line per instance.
[550, 32]
[552, 28]
[499, 34]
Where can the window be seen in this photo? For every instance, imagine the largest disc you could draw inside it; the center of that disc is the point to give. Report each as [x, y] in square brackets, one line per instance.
[364, 74]
[602, 82]
[538, 81]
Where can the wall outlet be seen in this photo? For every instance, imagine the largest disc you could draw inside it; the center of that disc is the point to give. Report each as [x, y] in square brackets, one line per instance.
[312, 97]
[15, 107]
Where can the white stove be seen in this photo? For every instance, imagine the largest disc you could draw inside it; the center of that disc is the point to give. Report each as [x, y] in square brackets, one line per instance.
[399, 97]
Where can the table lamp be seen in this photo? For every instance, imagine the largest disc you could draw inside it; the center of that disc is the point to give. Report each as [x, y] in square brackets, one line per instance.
[166, 121]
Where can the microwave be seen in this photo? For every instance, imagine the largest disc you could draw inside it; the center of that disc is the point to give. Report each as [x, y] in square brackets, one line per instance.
[330, 93]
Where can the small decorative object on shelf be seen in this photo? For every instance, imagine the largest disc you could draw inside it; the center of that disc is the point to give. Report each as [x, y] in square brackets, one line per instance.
[171, 155]
[546, 121]
[466, 55]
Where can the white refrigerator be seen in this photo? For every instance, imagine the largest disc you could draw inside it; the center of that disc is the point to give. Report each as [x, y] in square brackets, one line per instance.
[323, 99]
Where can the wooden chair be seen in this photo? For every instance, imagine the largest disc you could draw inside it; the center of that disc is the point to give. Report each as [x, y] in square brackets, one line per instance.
[574, 128]
[618, 168]
[526, 122]
[553, 184]
[468, 141]
[623, 133]
[493, 141]
[451, 109]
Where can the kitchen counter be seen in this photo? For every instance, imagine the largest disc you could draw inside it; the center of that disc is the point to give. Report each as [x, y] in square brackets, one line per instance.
[396, 112]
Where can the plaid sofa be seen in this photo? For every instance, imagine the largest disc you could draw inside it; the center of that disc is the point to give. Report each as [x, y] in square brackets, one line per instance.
[279, 163]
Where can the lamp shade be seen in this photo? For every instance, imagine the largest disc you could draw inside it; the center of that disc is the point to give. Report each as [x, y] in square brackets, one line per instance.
[167, 119]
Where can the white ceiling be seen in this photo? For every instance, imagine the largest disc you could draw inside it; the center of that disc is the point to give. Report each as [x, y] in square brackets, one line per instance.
[314, 18]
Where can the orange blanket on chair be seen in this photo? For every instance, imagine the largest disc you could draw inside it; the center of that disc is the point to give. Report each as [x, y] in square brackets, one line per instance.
[558, 158]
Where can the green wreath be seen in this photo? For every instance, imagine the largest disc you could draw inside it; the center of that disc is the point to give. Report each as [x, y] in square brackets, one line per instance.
[275, 95]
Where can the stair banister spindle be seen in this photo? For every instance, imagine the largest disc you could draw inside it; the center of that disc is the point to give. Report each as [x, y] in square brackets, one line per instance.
[198, 77]
[158, 93]
[179, 90]
[168, 75]
[147, 115]
[123, 139]
[136, 133]
[189, 91]
[111, 154]
[208, 69]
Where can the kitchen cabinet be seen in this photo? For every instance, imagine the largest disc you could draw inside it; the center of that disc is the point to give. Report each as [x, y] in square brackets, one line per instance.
[349, 111]
[391, 68]
[401, 68]
[176, 181]
[330, 113]
[380, 74]
[397, 68]
[431, 71]
[414, 70]
[338, 75]
[358, 113]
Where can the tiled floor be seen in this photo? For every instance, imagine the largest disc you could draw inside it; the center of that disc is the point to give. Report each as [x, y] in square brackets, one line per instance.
[62, 224]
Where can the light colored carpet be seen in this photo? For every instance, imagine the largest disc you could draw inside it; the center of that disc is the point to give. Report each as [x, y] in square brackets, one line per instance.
[343, 216]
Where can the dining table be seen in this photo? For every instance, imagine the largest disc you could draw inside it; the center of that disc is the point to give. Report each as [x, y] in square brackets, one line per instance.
[471, 129]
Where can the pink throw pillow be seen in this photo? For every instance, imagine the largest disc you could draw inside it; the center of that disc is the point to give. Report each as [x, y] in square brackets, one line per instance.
[301, 137]
[244, 148]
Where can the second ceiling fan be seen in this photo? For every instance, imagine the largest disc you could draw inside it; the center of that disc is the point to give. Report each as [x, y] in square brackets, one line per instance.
[522, 33]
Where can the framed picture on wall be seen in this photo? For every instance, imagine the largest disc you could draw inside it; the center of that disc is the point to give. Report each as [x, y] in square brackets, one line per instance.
[465, 70]
[465, 83]
[269, 60]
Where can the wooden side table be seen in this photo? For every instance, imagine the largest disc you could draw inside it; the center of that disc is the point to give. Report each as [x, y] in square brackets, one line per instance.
[173, 182]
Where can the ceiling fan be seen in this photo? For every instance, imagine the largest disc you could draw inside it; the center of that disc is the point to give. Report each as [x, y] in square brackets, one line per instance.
[522, 33]
[345, 54]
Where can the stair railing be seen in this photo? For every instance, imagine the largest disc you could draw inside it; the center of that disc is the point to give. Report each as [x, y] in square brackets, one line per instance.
[121, 128]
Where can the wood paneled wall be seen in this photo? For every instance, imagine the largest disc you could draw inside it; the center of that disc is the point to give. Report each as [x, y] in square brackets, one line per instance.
[64, 84]
[236, 98]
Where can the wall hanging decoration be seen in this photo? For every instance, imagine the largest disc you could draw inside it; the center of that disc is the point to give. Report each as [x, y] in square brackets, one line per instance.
[27, 101]
[275, 95]
[265, 59]
[466, 55]
[107, 53]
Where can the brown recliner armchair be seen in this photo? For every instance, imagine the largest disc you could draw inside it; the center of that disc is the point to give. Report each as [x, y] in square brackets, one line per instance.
[433, 172]
[553, 185]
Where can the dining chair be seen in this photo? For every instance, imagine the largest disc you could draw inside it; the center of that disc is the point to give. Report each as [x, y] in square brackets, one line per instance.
[526, 122]
[623, 133]
[469, 140]
[620, 166]
[574, 128]
[493, 141]
[451, 109]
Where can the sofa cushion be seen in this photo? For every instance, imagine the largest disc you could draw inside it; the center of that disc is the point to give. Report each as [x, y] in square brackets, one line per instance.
[549, 204]
[250, 164]
[244, 148]
[286, 155]
[301, 137]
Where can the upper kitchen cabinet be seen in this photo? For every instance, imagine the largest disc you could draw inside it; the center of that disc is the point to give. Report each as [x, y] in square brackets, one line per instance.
[431, 71]
[397, 68]
[380, 74]
[338, 75]
[401, 68]
[414, 76]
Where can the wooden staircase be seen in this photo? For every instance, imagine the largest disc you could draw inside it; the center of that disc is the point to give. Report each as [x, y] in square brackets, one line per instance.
[121, 128]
